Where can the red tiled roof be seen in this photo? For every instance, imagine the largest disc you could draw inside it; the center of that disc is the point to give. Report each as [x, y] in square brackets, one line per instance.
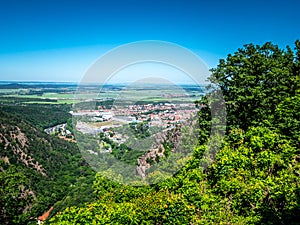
[45, 215]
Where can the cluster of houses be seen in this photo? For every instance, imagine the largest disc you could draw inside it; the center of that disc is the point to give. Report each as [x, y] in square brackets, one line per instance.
[61, 131]
[114, 136]
[163, 115]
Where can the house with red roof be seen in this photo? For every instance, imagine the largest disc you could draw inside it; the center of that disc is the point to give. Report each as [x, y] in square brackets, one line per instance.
[42, 219]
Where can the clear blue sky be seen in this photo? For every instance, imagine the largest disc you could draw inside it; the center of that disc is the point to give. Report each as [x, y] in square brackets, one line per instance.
[56, 40]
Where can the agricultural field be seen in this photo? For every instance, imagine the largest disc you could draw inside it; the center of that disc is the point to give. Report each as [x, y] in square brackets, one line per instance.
[56, 93]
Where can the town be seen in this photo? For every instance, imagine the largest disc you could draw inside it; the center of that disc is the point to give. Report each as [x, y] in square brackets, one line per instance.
[162, 115]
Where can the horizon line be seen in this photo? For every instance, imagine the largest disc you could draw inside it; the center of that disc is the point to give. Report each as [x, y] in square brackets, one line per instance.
[91, 83]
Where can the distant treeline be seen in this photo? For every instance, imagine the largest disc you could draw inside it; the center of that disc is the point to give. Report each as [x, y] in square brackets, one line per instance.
[46, 85]
[41, 116]
[17, 100]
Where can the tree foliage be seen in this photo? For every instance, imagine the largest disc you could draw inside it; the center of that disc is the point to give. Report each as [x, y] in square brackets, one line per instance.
[254, 80]
[16, 197]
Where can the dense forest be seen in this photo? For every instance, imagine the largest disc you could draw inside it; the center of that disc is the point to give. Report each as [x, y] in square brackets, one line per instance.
[38, 115]
[253, 179]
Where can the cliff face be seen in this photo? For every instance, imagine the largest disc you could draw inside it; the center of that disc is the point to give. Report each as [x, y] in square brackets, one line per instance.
[157, 150]
[15, 145]
[19, 169]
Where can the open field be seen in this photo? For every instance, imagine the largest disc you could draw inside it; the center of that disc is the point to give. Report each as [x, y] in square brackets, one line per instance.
[59, 101]
[110, 123]
[42, 93]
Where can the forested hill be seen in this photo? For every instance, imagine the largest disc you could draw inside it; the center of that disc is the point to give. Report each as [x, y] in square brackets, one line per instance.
[40, 116]
[36, 171]
[255, 176]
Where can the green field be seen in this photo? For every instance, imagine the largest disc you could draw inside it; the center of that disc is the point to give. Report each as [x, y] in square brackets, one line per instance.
[70, 95]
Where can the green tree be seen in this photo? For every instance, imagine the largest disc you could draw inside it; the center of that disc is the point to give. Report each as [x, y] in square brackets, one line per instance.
[254, 80]
[258, 174]
[16, 197]
[287, 118]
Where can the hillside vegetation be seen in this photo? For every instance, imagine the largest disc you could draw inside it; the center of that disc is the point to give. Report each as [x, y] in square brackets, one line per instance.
[255, 176]
[38, 171]
[40, 116]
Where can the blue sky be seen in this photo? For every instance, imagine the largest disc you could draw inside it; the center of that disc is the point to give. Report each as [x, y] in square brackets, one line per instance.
[55, 40]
